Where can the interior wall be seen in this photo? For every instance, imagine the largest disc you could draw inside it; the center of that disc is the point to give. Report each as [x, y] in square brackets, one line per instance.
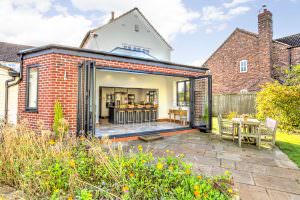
[166, 86]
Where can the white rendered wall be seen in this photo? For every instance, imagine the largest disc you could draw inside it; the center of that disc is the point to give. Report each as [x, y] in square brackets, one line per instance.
[122, 31]
[164, 84]
[12, 98]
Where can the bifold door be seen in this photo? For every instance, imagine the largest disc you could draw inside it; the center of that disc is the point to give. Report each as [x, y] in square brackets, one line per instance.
[86, 98]
[201, 103]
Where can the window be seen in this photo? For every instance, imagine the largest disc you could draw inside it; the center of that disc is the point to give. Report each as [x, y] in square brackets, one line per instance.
[32, 89]
[243, 66]
[183, 93]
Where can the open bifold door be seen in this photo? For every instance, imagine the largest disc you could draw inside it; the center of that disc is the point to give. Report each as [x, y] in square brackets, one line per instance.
[201, 103]
[86, 98]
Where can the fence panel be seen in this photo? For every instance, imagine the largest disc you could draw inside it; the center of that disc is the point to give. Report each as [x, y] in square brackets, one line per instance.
[240, 103]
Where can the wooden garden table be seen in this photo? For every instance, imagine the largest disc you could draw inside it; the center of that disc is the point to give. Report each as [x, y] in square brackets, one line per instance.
[250, 126]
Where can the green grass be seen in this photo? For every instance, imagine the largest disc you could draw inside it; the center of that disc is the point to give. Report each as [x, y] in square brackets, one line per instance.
[288, 143]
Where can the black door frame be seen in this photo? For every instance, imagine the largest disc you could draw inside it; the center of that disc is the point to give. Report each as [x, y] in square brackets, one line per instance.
[92, 65]
[86, 105]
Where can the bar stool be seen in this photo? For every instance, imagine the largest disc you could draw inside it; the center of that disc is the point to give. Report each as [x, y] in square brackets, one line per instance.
[147, 115]
[130, 116]
[153, 115]
[138, 116]
[121, 117]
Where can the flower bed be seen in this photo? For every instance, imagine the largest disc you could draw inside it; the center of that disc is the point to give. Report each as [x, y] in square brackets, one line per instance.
[76, 168]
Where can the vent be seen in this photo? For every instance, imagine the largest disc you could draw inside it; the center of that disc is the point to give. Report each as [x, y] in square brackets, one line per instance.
[136, 28]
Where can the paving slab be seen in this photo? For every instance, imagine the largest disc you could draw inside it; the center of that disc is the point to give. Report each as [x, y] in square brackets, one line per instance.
[277, 195]
[250, 192]
[277, 183]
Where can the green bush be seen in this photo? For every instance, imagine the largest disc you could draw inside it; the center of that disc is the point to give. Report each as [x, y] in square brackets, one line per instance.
[280, 102]
[77, 168]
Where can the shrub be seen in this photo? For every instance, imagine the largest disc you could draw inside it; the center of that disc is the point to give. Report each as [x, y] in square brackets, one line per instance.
[60, 125]
[87, 169]
[281, 102]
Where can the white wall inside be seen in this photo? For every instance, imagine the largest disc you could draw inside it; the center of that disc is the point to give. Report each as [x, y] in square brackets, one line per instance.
[12, 98]
[166, 86]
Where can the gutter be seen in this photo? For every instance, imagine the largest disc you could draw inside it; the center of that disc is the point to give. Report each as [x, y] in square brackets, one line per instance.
[13, 74]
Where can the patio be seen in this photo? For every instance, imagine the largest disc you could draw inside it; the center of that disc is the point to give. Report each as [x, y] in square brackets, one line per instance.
[258, 174]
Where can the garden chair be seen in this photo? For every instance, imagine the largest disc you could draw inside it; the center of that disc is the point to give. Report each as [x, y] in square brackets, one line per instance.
[226, 127]
[268, 130]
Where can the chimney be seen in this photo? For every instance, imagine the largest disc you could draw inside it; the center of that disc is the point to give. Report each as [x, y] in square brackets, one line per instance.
[265, 37]
[112, 16]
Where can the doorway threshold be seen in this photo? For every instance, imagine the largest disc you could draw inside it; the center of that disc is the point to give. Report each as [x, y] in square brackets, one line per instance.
[136, 134]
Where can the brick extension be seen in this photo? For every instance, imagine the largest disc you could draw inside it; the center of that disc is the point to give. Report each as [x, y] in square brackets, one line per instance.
[263, 55]
[52, 86]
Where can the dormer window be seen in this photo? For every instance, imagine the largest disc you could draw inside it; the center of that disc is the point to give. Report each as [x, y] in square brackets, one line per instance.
[136, 28]
[243, 66]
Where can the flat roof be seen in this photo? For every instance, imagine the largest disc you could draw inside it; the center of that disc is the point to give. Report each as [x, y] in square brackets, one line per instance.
[60, 49]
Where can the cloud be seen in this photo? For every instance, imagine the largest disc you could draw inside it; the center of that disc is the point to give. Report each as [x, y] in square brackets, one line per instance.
[215, 28]
[238, 11]
[27, 22]
[169, 17]
[234, 3]
[213, 13]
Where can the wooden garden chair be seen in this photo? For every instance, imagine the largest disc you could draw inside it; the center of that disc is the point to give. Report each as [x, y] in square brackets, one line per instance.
[268, 131]
[226, 127]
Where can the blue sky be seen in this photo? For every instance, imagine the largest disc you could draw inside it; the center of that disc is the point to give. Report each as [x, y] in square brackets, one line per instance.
[195, 28]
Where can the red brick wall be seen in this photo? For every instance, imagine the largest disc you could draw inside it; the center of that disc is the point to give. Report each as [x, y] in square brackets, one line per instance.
[295, 53]
[224, 64]
[52, 86]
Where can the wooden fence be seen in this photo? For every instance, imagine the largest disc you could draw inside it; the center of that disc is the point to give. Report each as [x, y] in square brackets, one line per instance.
[240, 103]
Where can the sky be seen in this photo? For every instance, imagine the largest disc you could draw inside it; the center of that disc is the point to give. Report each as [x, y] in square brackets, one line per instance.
[194, 28]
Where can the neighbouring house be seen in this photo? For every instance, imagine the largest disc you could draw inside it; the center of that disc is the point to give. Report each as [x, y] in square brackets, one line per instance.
[129, 34]
[139, 93]
[246, 60]
[9, 68]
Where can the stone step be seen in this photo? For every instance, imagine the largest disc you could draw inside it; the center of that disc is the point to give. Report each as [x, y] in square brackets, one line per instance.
[149, 138]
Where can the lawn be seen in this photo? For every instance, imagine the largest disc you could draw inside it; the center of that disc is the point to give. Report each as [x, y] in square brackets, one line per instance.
[288, 143]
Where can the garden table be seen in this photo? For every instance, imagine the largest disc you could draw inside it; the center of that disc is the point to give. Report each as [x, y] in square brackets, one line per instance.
[250, 126]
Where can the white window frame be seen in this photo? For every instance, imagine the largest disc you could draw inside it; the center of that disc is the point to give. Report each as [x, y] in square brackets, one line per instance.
[243, 66]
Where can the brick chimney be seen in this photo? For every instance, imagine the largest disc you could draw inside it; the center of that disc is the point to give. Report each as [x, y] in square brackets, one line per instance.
[265, 36]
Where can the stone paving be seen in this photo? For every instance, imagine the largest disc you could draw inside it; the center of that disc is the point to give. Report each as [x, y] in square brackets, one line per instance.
[265, 174]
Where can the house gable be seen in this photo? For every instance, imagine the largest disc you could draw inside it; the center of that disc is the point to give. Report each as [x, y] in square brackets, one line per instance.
[130, 30]
[224, 63]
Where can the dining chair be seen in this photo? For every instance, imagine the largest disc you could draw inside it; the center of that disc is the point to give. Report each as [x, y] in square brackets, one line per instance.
[226, 127]
[245, 132]
[268, 130]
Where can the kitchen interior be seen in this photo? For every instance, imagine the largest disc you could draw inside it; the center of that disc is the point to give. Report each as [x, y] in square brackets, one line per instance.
[114, 99]
[124, 110]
